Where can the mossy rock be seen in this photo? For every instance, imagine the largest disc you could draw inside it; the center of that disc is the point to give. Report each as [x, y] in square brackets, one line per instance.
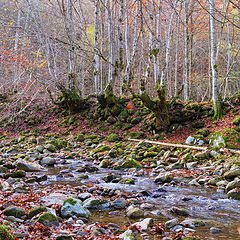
[127, 181]
[150, 154]
[113, 137]
[236, 121]
[216, 139]
[116, 110]
[203, 132]
[36, 210]
[64, 237]
[105, 163]
[18, 174]
[131, 163]
[48, 219]
[83, 176]
[14, 211]
[136, 120]
[103, 148]
[198, 124]
[136, 134]
[71, 201]
[5, 233]
[92, 136]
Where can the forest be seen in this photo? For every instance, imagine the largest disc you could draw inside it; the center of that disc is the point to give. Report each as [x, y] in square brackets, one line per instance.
[120, 119]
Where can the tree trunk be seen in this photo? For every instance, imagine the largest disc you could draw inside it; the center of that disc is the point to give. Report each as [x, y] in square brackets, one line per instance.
[216, 98]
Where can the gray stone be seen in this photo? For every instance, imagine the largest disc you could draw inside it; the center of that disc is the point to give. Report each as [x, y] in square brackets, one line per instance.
[194, 140]
[233, 184]
[127, 235]
[73, 207]
[232, 174]
[84, 196]
[144, 224]
[215, 230]
[41, 140]
[48, 161]
[192, 165]
[96, 203]
[179, 211]
[216, 140]
[234, 194]
[119, 203]
[202, 155]
[222, 183]
[29, 166]
[135, 212]
[55, 198]
[163, 178]
[171, 223]
[40, 148]
[50, 147]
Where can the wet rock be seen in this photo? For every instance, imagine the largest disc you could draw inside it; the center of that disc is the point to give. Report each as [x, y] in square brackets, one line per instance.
[194, 182]
[48, 219]
[127, 181]
[119, 203]
[48, 161]
[127, 235]
[73, 207]
[28, 166]
[233, 184]
[222, 183]
[177, 228]
[213, 181]
[232, 174]
[179, 211]
[144, 224]
[14, 211]
[234, 194]
[191, 223]
[135, 212]
[84, 196]
[215, 230]
[171, 223]
[146, 206]
[36, 210]
[111, 177]
[41, 178]
[96, 203]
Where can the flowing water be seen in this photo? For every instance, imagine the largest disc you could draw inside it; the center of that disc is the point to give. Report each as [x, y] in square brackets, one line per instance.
[201, 202]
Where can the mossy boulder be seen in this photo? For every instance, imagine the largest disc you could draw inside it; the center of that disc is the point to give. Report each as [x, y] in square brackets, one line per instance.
[50, 147]
[127, 181]
[150, 154]
[113, 137]
[236, 121]
[234, 194]
[135, 212]
[36, 210]
[80, 137]
[105, 163]
[103, 148]
[48, 219]
[73, 207]
[96, 203]
[5, 233]
[130, 163]
[136, 134]
[217, 139]
[205, 132]
[14, 211]
[18, 174]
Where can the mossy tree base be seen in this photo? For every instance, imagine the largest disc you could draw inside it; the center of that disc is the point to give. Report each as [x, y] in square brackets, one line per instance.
[218, 113]
[159, 108]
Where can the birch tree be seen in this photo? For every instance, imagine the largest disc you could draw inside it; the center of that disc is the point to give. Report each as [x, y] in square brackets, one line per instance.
[216, 98]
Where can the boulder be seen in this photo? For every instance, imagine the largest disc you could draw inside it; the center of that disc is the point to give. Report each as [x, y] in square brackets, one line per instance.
[14, 211]
[234, 194]
[171, 223]
[217, 140]
[233, 184]
[119, 203]
[179, 211]
[232, 174]
[48, 219]
[195, 140]
[73, 207]
[135, 212]
[29, 166]
[144, 224]
[36, 210]
[96, 203]
[127, 235]
[163, 178]
[48, 161]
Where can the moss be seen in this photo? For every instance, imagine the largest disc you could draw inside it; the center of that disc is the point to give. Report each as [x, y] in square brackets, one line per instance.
[36, 210]
[103, 149]
[18, 174]
[47, 218]
[131, 163]
[5, 233]
[236, 120]
[83, 176]
[127, 181]
[189, 238]
[14, 211]
[204, 132]
[136, 134]
[199, 223]
[70, 201]
[150, 154]
[218, 113]
[113, 137]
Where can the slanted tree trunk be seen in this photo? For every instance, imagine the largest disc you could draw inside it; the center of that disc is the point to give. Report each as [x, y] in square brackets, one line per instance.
[216, 98]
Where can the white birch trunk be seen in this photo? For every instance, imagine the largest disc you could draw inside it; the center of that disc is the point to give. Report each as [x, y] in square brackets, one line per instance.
[217, 104]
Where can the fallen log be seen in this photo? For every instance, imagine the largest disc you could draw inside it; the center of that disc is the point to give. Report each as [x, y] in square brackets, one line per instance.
[183, 146]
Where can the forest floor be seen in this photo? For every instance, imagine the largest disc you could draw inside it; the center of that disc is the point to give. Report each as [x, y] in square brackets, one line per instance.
[79, 177]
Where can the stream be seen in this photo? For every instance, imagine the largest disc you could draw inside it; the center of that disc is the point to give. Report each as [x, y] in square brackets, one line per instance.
[202, 203]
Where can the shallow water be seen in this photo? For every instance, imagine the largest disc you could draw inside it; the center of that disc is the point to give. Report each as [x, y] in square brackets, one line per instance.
[206, 203]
